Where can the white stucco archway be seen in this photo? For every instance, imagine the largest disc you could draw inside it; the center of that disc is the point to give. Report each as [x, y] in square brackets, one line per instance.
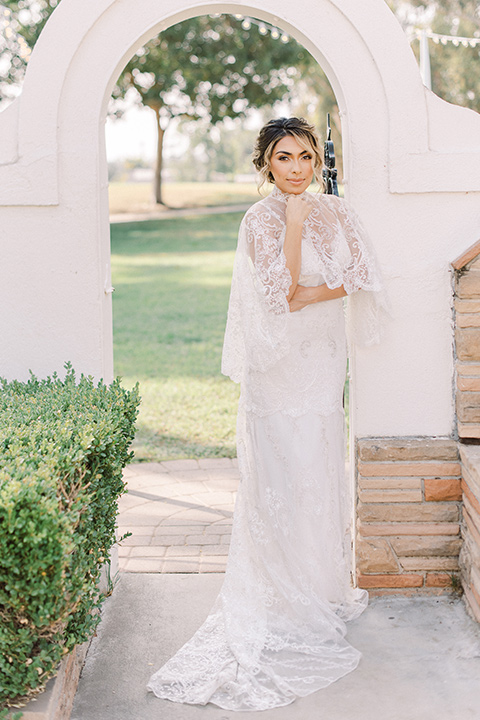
[410, 162]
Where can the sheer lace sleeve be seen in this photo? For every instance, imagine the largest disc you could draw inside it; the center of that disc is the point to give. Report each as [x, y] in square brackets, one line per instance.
[255, 335]
[367, 306]
[348, 258]
[334, 246]
[339, 239]
[360, 272]
[264, 236]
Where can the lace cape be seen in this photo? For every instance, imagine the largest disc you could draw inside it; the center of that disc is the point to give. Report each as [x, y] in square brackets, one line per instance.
[335, 250]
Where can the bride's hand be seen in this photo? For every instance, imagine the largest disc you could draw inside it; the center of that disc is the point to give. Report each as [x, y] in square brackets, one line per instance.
[297, 210]
[302, 297]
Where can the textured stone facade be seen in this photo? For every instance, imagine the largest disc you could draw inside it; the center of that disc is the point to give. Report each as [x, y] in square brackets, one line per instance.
[470, 553]
[467, 341]
[408, 514]
[418, 498]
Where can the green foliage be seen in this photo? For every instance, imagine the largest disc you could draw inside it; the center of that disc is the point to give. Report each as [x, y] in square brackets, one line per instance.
[210, 62]
[64, 445]
[455, 69]
[215, 66]
[210, 68]
[204, 68]
[456, 583]
[212, 150]
[30, 17]
[21, 22]
[5, 714]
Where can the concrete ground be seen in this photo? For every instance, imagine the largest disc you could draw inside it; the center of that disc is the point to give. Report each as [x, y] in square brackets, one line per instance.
[421, 658]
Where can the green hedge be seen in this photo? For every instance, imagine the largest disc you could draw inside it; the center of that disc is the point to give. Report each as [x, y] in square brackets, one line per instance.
[63, 446]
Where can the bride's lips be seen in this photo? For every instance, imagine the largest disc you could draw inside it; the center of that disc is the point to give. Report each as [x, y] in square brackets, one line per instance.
[297, 182]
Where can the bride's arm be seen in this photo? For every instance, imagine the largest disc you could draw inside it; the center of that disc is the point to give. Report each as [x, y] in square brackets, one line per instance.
[304, 296]
[296, 213]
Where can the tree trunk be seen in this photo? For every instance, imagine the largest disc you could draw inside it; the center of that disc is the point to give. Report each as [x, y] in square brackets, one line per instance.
[157, 189]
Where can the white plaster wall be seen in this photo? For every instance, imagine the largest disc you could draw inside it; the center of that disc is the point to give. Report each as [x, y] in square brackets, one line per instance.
[411, 164]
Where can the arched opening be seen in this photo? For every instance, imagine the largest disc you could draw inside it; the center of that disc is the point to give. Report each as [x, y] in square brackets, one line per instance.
[175, 357]
[156, 344]
[333, 80]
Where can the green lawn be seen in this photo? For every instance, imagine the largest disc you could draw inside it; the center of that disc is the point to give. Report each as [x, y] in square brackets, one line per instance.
[172, 280]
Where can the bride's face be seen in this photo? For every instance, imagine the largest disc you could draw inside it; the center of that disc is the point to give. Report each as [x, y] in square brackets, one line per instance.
[291, 166]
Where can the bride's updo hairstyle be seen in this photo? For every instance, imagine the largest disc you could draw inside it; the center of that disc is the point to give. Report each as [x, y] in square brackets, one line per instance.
[275, 130]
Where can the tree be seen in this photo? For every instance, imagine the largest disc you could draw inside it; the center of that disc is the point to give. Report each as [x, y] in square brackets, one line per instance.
[455, 69]
[225, 149]
[206, 67]
[21, 22]
[209, 68]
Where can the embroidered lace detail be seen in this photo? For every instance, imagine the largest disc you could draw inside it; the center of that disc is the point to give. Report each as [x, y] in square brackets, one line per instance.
[334, 250]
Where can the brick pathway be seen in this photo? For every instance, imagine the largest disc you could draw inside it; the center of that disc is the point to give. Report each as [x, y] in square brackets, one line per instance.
[180, 515]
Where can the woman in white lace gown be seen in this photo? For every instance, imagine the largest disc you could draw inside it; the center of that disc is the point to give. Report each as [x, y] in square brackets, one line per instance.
[277, 629]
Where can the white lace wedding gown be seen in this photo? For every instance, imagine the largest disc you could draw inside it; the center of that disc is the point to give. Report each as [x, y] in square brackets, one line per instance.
[277, 628]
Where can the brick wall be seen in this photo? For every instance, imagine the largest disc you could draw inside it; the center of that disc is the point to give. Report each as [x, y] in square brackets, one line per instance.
[408, 514]
[470, 553]
[467, 341]
[414, 512]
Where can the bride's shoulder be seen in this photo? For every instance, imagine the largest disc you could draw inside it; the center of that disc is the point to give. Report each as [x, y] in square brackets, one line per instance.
[322, 199]
[264, 209]
[325, 206]
[334, 205]
[259, 206]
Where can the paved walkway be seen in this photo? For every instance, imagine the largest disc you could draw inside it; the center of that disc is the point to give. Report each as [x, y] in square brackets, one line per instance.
[421, 658]
[180, 515]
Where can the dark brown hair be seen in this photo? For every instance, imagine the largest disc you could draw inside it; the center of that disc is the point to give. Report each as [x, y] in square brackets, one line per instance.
[274, 130]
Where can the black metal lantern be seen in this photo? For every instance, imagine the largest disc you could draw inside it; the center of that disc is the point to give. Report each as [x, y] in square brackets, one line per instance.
[329, 170]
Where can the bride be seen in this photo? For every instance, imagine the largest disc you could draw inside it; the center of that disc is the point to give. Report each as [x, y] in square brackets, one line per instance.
[277, 629]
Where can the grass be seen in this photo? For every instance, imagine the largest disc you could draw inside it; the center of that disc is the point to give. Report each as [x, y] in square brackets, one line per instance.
[137, 197]
[172, 280]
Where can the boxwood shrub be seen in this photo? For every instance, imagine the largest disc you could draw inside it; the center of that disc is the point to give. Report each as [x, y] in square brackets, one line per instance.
[63, 446]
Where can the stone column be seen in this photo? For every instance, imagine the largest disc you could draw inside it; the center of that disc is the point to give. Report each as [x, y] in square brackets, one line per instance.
[408, 531]
[467, 341]
[470, 553]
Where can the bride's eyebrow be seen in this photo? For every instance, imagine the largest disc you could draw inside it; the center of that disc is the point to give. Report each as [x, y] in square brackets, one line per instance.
[284, 152]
